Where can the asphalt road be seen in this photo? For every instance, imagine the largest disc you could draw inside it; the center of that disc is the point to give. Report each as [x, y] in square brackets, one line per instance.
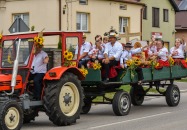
[154, 114]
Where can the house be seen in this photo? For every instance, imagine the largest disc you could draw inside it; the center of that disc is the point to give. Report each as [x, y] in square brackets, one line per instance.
[159, 20]
[181, 20]
[92, 17]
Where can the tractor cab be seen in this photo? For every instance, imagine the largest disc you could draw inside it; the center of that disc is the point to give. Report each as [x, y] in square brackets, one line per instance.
[9, 53]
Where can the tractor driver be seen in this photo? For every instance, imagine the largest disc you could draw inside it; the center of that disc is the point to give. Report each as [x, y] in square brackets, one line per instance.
[85, 48]
[39, 68]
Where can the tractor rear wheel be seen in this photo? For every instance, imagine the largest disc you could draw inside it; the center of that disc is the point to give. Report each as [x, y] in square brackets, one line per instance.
[11, 116]
[63, 100]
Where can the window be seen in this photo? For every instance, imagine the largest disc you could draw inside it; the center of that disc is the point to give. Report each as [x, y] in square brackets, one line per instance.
[155, 17]
[24, 16]
[82, 21]
[166, 16]
[123, 7]
[145, 12]
[10, 51]
[123, 21]
[72, 46]
[83, 2]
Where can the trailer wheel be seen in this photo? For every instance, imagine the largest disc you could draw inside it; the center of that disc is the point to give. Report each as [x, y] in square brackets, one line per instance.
[172, 95]
[137, 95]
[11, 116]
[87, 106]
[121, 103]
[63, 100]
[30, 116]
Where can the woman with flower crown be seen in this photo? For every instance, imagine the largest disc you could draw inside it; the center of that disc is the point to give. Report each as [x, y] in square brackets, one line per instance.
[177, 52]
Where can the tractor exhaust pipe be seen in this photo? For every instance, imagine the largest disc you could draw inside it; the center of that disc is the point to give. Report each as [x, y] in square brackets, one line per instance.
[15, 69]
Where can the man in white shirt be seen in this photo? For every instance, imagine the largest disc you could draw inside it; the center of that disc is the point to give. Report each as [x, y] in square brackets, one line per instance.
[85, 48]
[39, 68]
[112, 53]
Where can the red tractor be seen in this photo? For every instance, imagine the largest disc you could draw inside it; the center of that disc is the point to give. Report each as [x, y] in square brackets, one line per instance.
[62, 95]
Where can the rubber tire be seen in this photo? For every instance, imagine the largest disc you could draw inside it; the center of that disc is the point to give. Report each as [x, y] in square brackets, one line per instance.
[86, 107]
[30, 117]
[133, 93]
[116, 103]
[51, 100]
[3, 110]
[169, 95]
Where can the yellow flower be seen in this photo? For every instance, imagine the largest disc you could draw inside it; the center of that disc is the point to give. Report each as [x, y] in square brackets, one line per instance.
[84, 71]
[1, 36]
[171, 61]
[66, 54]
[157, 65]
[39, 41]
[99, 66]
[94, 66]
[137, 63]
[69, 56]
[129, 62]
[73, 64]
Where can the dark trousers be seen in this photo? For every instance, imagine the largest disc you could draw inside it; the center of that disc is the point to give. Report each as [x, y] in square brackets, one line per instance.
[140, 73]
[107, 67]
[38, 79]
[83, 63]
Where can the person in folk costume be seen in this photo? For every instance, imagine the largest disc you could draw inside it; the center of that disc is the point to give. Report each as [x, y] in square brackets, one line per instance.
[84, 49]
[177, 52]
[98, 49]
[105, 39]
[127, 54]
[112, 53]
[162, 54]
[153, 45]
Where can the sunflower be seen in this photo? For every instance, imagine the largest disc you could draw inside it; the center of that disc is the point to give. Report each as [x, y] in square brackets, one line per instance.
[157, 65]
[137, 63]
[73, 64]
[40, 41]
[84, 71]
[95, 66]
[1, 36]
[35, 39]
[99, 66]
[129, 62]
[69, 56]
[66, 54]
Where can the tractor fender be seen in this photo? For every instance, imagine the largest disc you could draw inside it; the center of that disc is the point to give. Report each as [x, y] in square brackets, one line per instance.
[57, 72]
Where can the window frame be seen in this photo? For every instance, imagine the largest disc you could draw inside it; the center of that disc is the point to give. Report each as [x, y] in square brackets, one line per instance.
[165, 17]
[21, 16]
[86, 2]
[145, 12]
[154, 17]
[88, 18]
[123, 25]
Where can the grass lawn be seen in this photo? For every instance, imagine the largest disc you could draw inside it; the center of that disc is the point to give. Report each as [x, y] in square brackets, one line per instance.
[182, 80]
[124, 88]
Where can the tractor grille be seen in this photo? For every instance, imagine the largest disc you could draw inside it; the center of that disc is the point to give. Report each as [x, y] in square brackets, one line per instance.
[8, 83]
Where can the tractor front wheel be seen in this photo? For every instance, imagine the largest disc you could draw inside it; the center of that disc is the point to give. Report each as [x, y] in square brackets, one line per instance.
[11, 116]
[63, 100]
